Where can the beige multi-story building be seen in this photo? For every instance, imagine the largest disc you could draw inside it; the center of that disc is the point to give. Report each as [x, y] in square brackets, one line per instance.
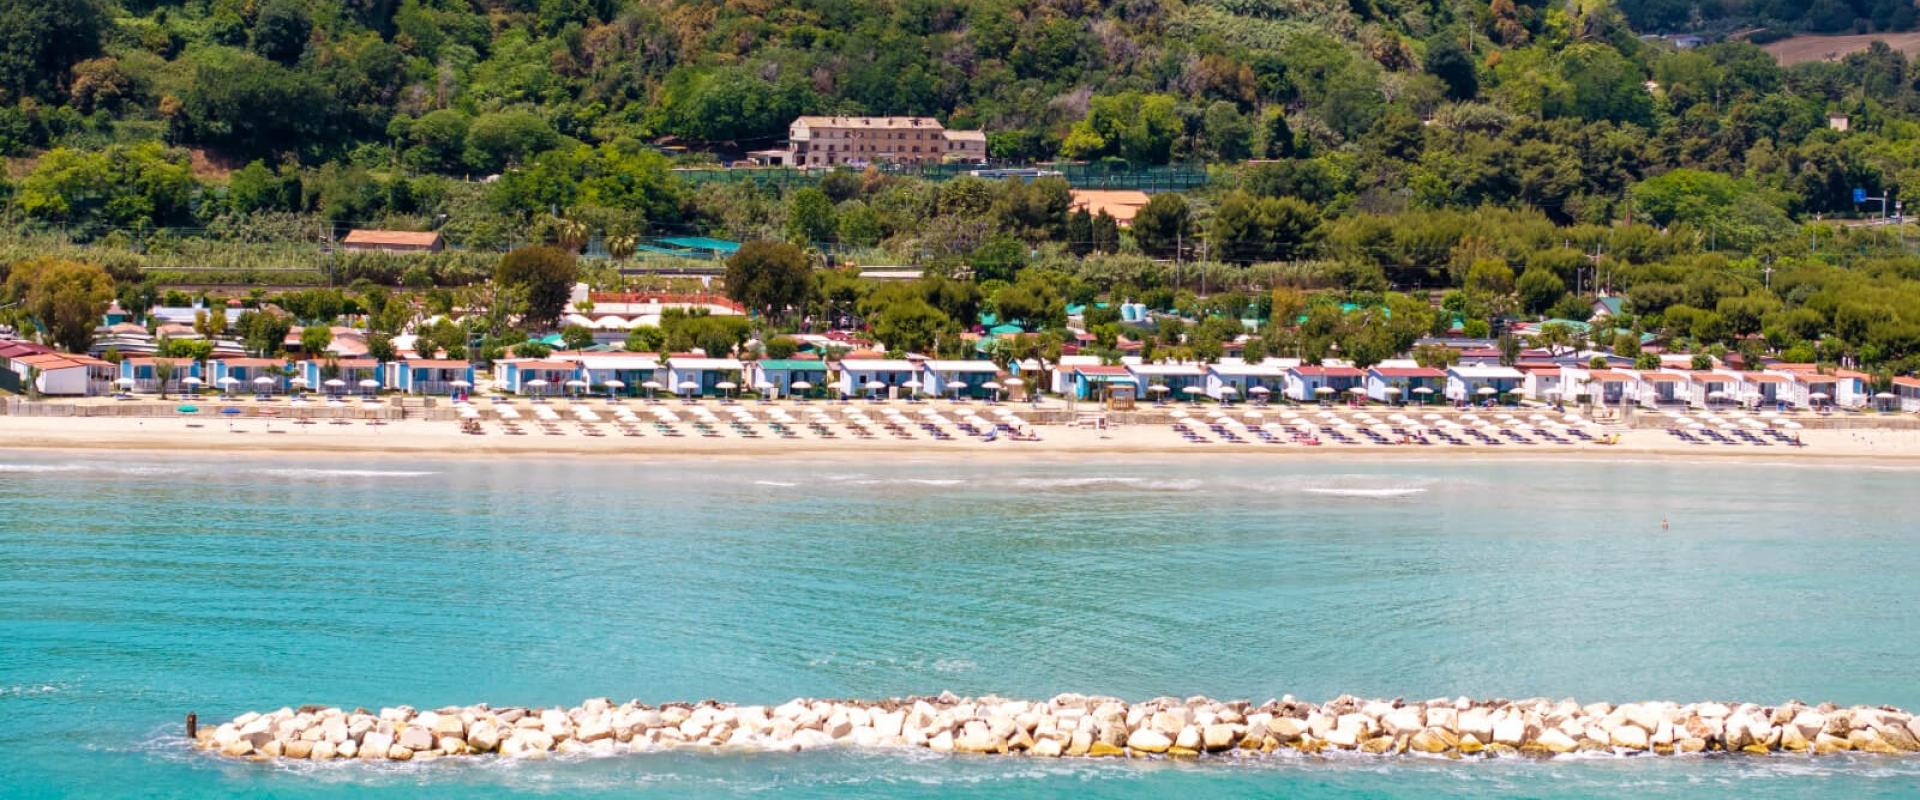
[837, 141]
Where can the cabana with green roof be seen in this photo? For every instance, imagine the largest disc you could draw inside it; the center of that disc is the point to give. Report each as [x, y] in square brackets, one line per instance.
[783, 373]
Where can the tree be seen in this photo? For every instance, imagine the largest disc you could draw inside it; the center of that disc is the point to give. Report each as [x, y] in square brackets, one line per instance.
[248, 106]
[41, 40]
[1248, 228]
[1449, 62]
[546, 275]
[1539, 289]
[65, 299]
[123, 186]
[163, 374]
[999, 258]
[507, 137]
[910, 326]
[810, 217]
[315, 339]
[1163, 224]
[380, 347]
[281, 29]
[1106, 232]
[1139, 128]
[1555, 336]
[770, 277]
[264, 332]
[576, 337]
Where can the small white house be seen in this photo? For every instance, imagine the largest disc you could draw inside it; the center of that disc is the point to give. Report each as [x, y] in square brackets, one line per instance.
[1470, 383]
[1404, 384]
[1176, 378]
[1235, 379]
[859, 375]
[946, 378]
[694, 376]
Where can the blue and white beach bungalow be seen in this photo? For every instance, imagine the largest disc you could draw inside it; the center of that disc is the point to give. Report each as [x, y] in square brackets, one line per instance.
[244, 374]
[700, 376]
[141, 371]
[857, 374]
[1247, 381]
[350, 372]
[1176, 378]
[783, 373]
[535, 377]
[433, 376]
[942, 378]
[1474, 383]
[630, 372]
[1307, 383]
[1404, 384]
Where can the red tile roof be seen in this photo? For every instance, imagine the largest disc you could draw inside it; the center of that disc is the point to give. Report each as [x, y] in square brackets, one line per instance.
[1408, 372]
[1328, 372]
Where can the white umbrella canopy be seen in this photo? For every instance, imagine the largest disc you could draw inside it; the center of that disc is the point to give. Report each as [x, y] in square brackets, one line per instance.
[1392, 390]
[228, 381]
[1486, 390]
[912, 383]
[369, 383]
[334, 383]
[1814, 396]
[189, 380]
[263, 381]
[298, 382]
[125, 381]
[874, 386]
[762, 385]
[1356, 390]
[458, 384]
[726, 386]
[576, 384]
[1422, 390]
[537, 383]
[1015, 382]
[615, 383]
[957, 384]
[802, 385]
[688, 386]
[1159, 389]
[991, 385]
[1228, 390]
[1885, 396]
[654, 385]
[1323, 390]
[1259, 390]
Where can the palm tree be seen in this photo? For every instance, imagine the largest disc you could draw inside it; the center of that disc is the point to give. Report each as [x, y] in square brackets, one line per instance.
[622, 246]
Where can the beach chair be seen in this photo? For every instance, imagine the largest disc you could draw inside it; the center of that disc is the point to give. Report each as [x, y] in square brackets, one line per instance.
[1515, 436]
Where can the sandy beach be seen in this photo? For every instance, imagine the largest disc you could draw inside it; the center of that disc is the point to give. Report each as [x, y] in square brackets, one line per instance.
[445, 438]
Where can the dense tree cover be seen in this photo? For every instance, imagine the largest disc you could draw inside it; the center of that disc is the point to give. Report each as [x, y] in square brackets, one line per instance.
[62, 299]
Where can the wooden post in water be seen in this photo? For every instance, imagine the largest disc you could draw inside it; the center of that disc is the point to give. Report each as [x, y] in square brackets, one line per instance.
[193, 726]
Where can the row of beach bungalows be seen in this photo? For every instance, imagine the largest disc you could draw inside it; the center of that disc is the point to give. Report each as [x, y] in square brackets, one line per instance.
[638, 373]
[1781, 385]
[248, 374]
[1402, 381]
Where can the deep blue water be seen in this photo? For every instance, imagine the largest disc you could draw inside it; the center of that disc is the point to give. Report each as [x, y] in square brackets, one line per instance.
[135, 589]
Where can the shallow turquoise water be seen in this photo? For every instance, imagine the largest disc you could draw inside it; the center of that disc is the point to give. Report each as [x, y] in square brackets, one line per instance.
[134, 591]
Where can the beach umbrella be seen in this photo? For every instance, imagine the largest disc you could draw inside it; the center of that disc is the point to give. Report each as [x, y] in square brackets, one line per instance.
[1260, 390]
[763, 386]
[1323, 390]
[992, 386]
[726, 385]
[459, 384]
[536, 383]
[230, 411]
[576, 384]
[801, 386]
[127, 382]
[188, 409]
[1885, 396]
[228, 381]
[689, 387]
[1355, 390]
[1255, 415]
[298, 382]
[334, 383]
[1392, 390]
[1422, 390]
[263, 381]
[190, 381]
[1159, 389]
[1228, 390]
[1485, 391]
[1015, 382]
[1193, 392]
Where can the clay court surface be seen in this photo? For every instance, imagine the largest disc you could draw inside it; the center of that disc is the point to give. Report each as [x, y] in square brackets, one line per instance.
[1831, 48]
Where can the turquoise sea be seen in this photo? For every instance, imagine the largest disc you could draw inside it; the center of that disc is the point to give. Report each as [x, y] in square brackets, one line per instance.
[134, 589]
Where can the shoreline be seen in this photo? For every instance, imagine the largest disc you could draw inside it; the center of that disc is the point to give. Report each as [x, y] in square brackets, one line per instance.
[429, 440]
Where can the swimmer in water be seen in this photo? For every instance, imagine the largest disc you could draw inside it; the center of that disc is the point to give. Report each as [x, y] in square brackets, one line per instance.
[1663, 523]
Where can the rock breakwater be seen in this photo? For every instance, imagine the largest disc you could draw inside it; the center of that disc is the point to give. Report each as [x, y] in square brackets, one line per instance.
[1071, 726]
